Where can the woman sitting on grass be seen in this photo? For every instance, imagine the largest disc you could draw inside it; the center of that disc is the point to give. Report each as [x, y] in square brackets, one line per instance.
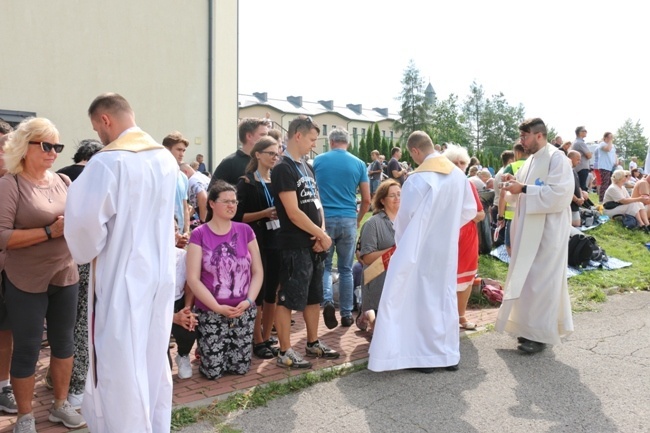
[617, 192]
[224, 271]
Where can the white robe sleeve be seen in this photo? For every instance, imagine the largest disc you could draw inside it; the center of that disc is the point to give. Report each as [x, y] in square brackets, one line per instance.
[469, 209]
[555, 195]
[90, 206]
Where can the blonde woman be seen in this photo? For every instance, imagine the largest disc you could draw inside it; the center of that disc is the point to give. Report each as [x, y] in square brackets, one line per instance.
[617, 192]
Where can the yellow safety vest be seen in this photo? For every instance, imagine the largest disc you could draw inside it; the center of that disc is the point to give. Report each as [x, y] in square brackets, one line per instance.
[509, 213]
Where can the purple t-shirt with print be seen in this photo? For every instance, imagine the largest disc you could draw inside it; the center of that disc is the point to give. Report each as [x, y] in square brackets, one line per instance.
[226, 263]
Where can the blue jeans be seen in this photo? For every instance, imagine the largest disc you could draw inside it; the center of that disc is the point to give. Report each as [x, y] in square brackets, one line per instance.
[343, 232]
[374, 184]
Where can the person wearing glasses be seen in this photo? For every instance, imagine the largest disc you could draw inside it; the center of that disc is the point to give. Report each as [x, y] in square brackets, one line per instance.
[536, 307]
[233, 166]
[224, 271]
[40, 278]
[377, 237]
[119, 218]
[257, 209]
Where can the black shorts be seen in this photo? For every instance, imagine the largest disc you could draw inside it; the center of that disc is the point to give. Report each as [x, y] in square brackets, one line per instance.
[301, 278]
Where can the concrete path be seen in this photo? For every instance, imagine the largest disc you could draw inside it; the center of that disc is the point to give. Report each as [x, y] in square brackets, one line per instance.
[598, 381]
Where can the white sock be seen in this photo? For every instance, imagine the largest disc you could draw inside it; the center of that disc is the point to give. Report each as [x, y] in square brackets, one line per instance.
[4, 383]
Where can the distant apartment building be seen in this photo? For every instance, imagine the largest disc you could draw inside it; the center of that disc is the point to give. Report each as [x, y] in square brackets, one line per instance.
[353, 117]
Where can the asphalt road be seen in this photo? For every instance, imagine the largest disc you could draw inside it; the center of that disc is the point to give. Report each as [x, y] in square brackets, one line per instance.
[597, 381]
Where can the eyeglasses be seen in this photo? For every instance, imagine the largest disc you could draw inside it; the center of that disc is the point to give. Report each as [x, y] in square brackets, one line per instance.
[228, 202]
[47, 147]
[272, 154]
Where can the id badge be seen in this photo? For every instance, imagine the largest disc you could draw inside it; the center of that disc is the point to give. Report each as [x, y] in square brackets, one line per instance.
[269, 225]
[317, 203]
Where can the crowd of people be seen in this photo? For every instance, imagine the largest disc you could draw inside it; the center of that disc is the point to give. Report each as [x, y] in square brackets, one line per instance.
[134, 244]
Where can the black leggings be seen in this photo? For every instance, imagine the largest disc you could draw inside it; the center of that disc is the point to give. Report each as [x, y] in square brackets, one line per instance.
[27, 313]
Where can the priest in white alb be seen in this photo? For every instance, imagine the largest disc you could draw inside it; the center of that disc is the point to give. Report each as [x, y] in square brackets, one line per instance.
[417, 320]
[119, 217]
[536, 307]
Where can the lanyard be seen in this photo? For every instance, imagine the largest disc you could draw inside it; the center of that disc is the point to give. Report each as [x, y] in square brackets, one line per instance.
[308, 182]
[269, 198]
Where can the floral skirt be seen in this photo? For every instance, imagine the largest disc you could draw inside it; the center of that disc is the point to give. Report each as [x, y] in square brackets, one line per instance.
[226, 345]
[80, 364]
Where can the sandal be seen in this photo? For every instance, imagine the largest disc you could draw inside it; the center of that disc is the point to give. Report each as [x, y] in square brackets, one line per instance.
[263, 351]
[466, 325]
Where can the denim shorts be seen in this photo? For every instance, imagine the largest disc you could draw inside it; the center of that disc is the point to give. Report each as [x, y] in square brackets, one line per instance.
[301, 278]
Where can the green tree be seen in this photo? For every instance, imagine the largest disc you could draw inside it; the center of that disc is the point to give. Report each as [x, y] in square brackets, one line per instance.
[447, 123]
[385, 148]
[474, 111]
[369, 138]
[551, 133]
[415, 110]
[360, 150]
[500, 124]
[630, 141]
[376, 140]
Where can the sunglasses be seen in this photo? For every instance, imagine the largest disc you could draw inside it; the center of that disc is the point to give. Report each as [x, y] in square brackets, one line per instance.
[47, 147]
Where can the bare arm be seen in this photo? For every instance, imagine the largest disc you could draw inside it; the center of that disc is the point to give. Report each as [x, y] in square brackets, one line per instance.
[364, 187]
[368, 259]
[202, 202]
[22, 238]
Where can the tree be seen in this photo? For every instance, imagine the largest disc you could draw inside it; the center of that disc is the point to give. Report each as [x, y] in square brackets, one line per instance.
[501, 124]
[551, 133]
[474, 110]
[447, 123]
[414, 111]
[376, 140]
[630, 141]
[360, 150]
[369, 139]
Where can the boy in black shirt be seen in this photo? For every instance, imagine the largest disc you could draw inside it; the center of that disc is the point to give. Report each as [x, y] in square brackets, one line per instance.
[303, 244]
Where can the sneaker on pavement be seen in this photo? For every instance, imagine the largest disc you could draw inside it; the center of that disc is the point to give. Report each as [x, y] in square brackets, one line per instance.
[75, 400]
[321, 350]
[66, 415]
[26, 424]
[329, 315]
[292, 359]
[184, 366]
[7, 400]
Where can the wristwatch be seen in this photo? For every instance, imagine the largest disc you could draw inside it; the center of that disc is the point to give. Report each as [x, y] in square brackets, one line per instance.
[48, 232]
[523, 189]
[500, 218]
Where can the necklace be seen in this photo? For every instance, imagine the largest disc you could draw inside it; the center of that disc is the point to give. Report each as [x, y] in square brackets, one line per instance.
[41, 185]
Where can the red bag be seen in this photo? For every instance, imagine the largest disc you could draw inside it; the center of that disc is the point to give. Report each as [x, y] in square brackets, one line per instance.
[492, 290]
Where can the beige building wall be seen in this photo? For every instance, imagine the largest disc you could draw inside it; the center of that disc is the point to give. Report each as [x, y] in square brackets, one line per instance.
[153, 52]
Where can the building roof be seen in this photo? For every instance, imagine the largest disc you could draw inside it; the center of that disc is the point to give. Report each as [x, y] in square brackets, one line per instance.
[296, 105]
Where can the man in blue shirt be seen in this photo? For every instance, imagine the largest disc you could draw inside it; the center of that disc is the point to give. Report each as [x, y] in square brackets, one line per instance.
[339, 174]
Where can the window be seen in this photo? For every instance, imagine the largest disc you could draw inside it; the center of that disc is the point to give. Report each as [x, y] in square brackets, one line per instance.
[383, 133]
[363, 131]
[325, 130]
[333, 126]
[391, 134]
[354, 132]
[14, 117]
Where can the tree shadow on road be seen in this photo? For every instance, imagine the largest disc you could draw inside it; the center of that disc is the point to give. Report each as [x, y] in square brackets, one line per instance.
[551, 391]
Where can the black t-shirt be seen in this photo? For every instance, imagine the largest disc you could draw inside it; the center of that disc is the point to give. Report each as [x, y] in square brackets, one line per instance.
[252, 198]
[231, 168]
[394, 165]
[72, 171]
[576, 192]
[289, 175]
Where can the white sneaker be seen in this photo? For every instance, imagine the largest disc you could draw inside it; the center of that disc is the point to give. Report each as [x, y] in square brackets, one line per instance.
[75, 400]
[184, 366]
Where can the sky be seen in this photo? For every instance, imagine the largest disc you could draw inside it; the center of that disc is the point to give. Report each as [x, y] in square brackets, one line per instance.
[569, 62]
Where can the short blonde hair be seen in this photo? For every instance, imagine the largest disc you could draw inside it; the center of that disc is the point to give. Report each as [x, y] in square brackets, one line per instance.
[30, 129]
[618, 175]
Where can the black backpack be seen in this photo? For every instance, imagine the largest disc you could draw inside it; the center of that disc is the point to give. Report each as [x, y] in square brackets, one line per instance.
[583, 249]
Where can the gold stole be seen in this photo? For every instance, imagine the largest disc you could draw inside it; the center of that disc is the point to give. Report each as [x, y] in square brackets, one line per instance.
[134, 141]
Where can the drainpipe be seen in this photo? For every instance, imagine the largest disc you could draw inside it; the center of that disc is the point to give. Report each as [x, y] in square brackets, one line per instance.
[210, 83]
